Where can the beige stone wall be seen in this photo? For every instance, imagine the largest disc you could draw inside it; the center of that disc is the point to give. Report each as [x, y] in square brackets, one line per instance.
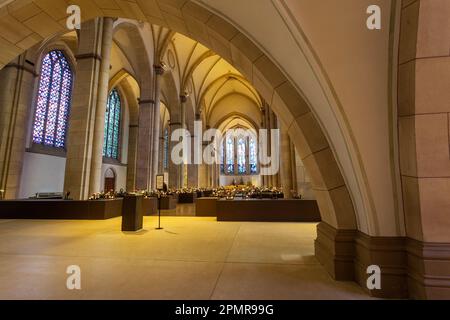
[15, 101]
[424, 115]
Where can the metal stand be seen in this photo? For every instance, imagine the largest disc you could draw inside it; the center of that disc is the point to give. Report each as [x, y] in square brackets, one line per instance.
[159, 213]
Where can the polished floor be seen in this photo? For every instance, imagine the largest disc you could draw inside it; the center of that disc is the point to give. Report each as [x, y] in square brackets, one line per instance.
[192, 258]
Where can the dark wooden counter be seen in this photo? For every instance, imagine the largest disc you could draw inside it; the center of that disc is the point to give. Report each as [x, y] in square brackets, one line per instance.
[187, 197]
[206, 207]
[169, 202]
[150, 206]
[267, 210]
[61, 209]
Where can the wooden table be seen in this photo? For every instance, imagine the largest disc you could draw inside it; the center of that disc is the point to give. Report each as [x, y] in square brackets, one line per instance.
[268, 210]
[169, 202]
[206, 207]
[187, 197]
[61, 209]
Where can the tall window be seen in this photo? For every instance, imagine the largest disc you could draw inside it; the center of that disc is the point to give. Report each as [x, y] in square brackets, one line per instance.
[53, 101]
[239, 155]
[252, 155]
[230, 155]
[112, 126]
[166, 149]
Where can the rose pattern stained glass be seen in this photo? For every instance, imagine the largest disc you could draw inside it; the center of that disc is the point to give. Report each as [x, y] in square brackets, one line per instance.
[112, 126]
[53, 100]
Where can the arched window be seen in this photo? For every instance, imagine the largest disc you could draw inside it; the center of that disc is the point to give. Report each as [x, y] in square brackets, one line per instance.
[53, 101]
[230, 155]
[166, 149]
[252, 155]
[112, 126]
[240, 155]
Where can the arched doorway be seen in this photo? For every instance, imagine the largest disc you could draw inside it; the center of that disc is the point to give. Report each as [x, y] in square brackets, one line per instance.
[110, 180]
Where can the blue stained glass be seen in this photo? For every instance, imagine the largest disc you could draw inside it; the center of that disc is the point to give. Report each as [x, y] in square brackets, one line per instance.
[253, 156]
[53, 100]
[230, 155]
[112, 126]
[241, 163]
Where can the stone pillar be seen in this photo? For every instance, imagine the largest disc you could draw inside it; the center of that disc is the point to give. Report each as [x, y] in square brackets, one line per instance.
[143, 162]
[293, 168]
[273, 125]
[182, 169]
[132, 156]
[102, 96]
[285, 163]
[16, 87]
[86, 122]
[159, 71]
[424, 140]
[265, 178]
[174, 170]
[161, 153]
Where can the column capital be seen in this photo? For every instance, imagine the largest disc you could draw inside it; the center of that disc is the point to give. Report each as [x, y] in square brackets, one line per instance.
[159, 69]
[183, 98]
[145, 101]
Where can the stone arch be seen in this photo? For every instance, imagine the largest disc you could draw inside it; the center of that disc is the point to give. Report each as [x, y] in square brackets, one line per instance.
[247, 119]
[335, 200]
[141, 63]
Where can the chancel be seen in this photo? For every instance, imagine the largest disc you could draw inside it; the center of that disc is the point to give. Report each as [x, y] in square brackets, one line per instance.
[281, 170]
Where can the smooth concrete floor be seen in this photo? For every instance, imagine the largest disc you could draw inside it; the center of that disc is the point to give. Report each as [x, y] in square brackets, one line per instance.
[192, 258]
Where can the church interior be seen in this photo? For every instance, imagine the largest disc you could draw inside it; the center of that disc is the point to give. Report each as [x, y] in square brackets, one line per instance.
[282, 148]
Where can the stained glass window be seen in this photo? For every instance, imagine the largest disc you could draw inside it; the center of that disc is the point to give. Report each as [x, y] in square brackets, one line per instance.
[53, 100]
[252, 155]
[241, 154]
[112, 126]
[230, 155]
[222, 157]
[166, 149]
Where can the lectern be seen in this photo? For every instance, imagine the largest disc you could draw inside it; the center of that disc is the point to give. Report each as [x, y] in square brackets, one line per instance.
[132, 213]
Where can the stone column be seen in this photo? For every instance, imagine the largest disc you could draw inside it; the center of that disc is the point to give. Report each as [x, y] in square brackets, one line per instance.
[86, 122]
[273, 125]
[143, 162]
[265, 182]
[174, 170]
[293, 167]
[161, 154]
[183, 100]
[132, 156]
[159, 71]
[285, 163]
[16, 88]
[102, 96]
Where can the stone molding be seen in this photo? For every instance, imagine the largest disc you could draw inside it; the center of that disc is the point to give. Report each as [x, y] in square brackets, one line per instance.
[409, 268]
